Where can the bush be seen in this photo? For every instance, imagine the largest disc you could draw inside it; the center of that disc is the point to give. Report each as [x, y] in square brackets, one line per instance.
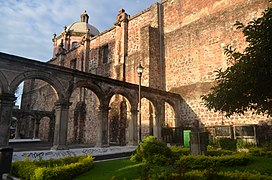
[180, 151]
[207, 162]
[153, 151]
[242, 144]
[227, 143]
[66, 168]
[219, 152]
[256, 151]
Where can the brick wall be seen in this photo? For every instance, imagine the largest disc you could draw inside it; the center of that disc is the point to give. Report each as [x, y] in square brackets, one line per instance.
[196, 33]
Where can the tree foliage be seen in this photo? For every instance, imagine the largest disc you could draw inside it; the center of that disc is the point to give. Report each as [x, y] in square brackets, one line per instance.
[247, 83]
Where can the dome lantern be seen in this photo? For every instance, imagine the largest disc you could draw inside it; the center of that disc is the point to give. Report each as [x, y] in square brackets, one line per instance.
[84, 17]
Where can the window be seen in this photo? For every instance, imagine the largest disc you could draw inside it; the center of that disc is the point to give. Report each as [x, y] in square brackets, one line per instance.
[104, 54]
[73, 63]
[74, 44]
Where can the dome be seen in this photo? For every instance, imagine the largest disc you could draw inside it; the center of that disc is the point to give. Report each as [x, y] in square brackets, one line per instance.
[82, 26]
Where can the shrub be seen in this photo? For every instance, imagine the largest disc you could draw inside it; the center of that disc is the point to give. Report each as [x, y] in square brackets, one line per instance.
[227, 143]
[256, 151]
[180, 151]
[206, 162]
[153, 151]
[219, 152]
[241, 144]
[66, 168]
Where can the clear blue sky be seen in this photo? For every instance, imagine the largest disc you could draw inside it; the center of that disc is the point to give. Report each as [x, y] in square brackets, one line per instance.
[27, 26]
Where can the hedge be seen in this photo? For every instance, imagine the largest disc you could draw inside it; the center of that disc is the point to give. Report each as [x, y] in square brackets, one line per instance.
[204, 162]
[66, 168]
[260, 152]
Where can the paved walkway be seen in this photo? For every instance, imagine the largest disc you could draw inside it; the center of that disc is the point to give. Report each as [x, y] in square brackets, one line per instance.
[36, 146]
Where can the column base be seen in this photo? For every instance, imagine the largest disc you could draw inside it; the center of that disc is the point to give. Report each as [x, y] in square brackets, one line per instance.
[59, 147]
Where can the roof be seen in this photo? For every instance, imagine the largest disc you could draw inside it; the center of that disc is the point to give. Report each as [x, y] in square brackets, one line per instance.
[82, 27]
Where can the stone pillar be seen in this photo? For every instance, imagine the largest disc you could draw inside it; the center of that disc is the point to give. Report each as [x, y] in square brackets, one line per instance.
[6, 106]
[51, 129]
[121, 44]
[86, 52]
[132, 128]
[157, 127]
[36, 128]
[61, 125]
[159, 120]
[102, 127]
[151, 123]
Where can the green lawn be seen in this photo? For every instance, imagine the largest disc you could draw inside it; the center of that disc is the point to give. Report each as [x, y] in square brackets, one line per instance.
[126, 169]
[119, 169]
[262, 165]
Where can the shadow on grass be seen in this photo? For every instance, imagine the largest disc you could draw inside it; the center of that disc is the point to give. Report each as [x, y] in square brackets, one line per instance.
[113, 169]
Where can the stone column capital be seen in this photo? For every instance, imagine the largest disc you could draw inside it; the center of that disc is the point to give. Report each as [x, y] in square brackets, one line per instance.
[63, 104]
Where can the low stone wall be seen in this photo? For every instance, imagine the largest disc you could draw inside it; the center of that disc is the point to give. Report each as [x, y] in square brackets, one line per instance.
[55, 154]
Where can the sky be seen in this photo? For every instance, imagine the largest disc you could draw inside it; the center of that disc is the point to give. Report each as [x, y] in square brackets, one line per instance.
[27, 26]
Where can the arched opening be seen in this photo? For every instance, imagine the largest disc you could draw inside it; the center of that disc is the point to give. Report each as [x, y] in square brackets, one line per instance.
[13, 127]
[119, 118]
[18, 95]
[45, 130]
[169, 116]
[35, 97]
[83, 117]
[148, 117]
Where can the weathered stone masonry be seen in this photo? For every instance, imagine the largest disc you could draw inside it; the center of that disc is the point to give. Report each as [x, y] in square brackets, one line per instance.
[14, 70]
[180, 43]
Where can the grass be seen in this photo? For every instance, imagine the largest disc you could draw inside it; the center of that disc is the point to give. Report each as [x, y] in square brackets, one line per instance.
[262, 165]
[126, 169]
[113, 169]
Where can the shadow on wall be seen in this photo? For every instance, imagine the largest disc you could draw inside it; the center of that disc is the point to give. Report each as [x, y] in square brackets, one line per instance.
[189, 119]
[192, 102]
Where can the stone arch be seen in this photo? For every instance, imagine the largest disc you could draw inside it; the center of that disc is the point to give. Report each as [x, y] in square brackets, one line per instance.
[24, 122]
[79, 121]
[86, 98]
[45, 129]
[86, 84]
[119, 120]
[124, 92]
[49, 78]
[169, 115]
[172, 106]
[148, 116]
[4, 87]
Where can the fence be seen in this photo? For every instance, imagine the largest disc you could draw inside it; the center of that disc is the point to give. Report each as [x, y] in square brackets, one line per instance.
[249, 133]
[173, 135]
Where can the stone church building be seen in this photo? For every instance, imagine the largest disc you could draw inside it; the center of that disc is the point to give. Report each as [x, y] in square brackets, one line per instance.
[179, 43]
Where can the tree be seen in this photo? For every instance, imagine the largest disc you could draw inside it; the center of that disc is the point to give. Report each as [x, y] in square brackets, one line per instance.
[247, 83]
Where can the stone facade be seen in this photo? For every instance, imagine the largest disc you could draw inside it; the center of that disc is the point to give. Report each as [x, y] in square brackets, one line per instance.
[180, 44]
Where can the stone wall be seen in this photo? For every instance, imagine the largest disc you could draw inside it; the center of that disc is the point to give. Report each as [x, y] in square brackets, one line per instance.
[195, 34]
[180, 43]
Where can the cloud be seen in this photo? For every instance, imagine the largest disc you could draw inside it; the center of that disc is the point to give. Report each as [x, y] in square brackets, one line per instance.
[27, 26]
